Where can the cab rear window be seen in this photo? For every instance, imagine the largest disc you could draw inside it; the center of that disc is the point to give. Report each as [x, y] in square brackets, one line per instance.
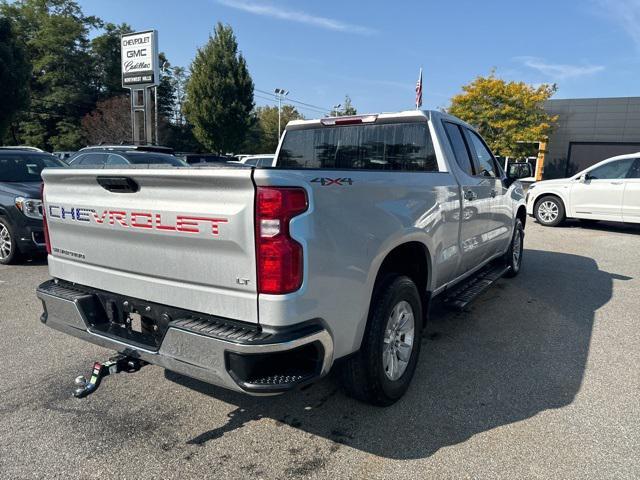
[393, 147]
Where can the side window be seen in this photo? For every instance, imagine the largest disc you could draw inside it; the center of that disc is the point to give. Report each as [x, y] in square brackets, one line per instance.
[77, 160]
[253, 162]
[612, 170]
[635, 170]
[114, 159]
[459, 147]
[484, 159]
[93, 159]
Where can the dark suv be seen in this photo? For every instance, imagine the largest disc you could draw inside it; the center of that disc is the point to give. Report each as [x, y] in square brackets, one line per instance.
[20, 202]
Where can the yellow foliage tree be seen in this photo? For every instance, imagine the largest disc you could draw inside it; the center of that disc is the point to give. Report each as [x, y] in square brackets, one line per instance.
[509, 115]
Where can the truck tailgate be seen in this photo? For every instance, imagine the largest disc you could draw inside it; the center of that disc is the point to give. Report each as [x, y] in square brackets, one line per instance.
[179, 237]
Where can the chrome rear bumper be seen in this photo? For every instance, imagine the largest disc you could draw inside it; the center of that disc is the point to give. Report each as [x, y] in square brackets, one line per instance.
[186, 352]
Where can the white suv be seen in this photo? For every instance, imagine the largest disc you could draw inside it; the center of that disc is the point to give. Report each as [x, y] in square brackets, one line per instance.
[609, 190]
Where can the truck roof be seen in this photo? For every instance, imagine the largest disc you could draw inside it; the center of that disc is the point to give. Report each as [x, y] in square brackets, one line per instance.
[385, 117]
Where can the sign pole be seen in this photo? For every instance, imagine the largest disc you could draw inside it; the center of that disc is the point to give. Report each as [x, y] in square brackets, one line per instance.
[148, 118]
[155, 100]
[133, 115]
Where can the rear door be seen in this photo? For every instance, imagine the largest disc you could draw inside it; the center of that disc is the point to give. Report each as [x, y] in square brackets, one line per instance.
[178, 237]
[600, 196]
[500, 215]
[631, 198]
[476, 213]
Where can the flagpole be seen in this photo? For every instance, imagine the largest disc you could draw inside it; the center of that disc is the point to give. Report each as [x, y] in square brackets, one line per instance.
[419, 90]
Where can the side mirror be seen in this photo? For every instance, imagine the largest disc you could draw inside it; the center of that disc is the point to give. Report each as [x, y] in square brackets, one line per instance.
[516, 171]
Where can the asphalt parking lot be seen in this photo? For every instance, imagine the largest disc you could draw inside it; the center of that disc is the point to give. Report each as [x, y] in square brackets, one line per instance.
[538, 379]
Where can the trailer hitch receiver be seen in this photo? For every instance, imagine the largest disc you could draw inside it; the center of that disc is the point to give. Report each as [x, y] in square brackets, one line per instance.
[116, 364]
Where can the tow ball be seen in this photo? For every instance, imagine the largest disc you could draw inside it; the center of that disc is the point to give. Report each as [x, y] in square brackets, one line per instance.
[116, 364]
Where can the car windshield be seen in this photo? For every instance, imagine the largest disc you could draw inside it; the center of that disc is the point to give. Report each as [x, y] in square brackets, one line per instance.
[26, 168]
[154, 159]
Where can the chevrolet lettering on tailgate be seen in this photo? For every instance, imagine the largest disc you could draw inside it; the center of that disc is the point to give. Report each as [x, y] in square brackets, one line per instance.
[138, 219]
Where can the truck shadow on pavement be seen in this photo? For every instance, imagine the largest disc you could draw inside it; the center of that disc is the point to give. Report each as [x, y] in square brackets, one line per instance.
[519, 350]
[617, 227]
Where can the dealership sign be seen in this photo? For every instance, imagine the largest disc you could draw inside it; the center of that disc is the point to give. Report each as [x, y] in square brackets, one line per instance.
[140, 59]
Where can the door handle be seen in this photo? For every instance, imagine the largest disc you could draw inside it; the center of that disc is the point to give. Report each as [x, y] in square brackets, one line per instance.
[616, 183]
[118, 184]
[470, 195]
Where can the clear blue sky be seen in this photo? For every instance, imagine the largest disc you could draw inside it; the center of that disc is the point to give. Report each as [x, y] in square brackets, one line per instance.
[373, 49]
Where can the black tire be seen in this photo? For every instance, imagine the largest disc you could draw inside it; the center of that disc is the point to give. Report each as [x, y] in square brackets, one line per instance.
[515, 261]
[9, 252]
[363, 375]
[556, 205]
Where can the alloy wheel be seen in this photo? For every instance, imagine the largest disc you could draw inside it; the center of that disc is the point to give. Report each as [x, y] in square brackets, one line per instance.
[548, 211]
[5, 242]
[398, 340]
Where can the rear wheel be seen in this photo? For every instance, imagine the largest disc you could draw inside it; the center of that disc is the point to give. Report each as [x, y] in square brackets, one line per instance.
[380, 373]
[549, 211]
[9, 252]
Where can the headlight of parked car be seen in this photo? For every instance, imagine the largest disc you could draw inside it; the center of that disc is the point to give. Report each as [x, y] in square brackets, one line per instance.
[30, 207]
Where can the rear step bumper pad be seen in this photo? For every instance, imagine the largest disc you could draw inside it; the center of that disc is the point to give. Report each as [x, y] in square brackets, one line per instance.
[183, 351]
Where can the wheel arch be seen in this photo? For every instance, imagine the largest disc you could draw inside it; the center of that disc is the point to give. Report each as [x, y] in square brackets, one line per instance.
[410, 258]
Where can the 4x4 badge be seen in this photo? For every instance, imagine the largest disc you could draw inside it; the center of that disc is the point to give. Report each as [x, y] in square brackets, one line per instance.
[326, 181]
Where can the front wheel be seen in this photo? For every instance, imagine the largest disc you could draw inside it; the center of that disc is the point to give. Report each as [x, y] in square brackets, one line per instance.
[549, 211]
[513, 257]
[380, 373]
[9, 252]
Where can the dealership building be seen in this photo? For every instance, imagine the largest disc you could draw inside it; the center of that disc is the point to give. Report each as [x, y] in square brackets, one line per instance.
[589, 130]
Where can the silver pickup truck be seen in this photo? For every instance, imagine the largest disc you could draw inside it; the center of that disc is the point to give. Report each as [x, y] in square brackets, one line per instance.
[261, 279]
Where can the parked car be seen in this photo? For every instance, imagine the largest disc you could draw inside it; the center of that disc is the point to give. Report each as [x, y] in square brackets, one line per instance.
[121, 148]
[609, 190]
[129, 148]
[124, 157]
[21, 231]
[24, 148]
[260, 280]
[260, 161]
[203, 158]
[64, 156]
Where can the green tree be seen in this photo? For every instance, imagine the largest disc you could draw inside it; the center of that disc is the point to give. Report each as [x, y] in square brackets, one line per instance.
[263, 137]
[347, 107]
[507, 114]
[220, 93]
[55, 33]
[105, 53]
[166, 89]
[179, 80]
[15, 72]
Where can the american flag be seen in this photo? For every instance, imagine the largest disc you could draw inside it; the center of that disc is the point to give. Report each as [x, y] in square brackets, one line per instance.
[419, 91]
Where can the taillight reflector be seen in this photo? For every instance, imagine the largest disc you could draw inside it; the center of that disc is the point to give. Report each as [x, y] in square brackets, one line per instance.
[279, 257]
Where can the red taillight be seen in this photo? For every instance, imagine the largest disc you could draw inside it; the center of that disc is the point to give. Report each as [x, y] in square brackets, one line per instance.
[45, 226]
[280, 262]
